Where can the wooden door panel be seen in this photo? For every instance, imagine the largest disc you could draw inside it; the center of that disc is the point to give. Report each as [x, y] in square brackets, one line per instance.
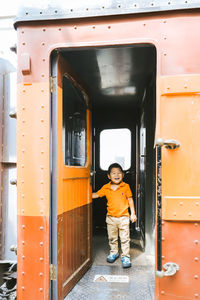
[73, 186]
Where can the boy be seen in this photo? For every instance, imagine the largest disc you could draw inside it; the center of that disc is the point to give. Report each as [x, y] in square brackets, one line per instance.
[119, 198]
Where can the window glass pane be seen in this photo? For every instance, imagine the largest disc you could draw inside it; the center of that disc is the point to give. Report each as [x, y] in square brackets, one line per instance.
[74, 125]
[115, 146]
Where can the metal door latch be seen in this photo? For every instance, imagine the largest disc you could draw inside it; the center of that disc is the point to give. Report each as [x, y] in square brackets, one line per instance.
[169, 144]
[171, 269]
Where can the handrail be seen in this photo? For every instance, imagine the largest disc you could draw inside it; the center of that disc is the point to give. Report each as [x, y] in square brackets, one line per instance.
[169, 144]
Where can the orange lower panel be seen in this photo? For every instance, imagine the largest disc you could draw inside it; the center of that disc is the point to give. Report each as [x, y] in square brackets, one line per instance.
[181, 245]
[33, 258]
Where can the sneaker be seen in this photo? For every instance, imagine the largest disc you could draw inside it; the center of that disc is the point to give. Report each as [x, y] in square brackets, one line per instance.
[112, 257]
[126, 263]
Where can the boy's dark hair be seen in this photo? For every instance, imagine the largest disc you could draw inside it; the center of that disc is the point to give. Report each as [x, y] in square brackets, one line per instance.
[115, 165]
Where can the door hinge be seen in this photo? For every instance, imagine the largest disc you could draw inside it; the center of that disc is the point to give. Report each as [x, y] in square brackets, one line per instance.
[53, 84]
[52, 272]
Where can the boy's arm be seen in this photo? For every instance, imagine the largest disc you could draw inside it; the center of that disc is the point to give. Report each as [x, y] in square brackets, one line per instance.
[132, 208]
[95, 196]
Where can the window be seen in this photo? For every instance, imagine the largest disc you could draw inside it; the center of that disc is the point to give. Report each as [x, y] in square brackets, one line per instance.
[74, 125]
[115, 146]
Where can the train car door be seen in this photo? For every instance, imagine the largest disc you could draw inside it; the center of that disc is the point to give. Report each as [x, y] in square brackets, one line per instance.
[71, 188]
[178, 195]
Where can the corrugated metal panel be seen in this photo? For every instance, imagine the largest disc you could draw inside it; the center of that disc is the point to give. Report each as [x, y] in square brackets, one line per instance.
[48, 10]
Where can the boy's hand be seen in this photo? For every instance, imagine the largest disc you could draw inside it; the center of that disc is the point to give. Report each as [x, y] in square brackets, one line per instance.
[133, 218]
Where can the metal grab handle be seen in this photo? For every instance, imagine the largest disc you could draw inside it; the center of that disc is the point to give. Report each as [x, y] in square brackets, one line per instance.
[169, 144]
[171, 268]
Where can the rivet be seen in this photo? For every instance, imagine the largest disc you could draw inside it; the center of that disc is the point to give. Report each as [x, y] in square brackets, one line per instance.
[22, 181]
[109, 27]
[119, 6]
[42, 152]
[23, 288]
[75, 27]
[23, 121]
[42, 182]
[23, 273]
[23, 242]
[162, 292]
[196, 241]
[24, 91]
[43, 43]
[195, 224]
[42, 90]
[164, 21]
[41, 243]
[59, 29]
[181, 203]
[87, 8]
[103, 7]
[41, 289]
[196, 259]
[144, 24]
[196, 276]
[163, 222]
[185, 86]
[23, 107]
[22, 195]
[42, 120]
[41, 137]
[163, 257]
[41, 258]
[44, 29]
[41, 228]
[23, 43]
[174, 214]
[165, 37]
[43, 59]
[196, 295]
[42, 212]
[189, 214]
[56, 11]
[22, 32]
[22, 166]
[197, 203]
[42, 198]
[41, 167]
[93, 27]
[152, 3]
[23, 226]
[23, 257]
[42, 75]
[22, 134]
[164, 53]
[41, 274]
[42, 105]
[163, 238]
[23, 211]
[71, 10]
[168, 88]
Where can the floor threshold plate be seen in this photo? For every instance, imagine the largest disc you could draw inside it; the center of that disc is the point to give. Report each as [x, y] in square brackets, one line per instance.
[111, 278]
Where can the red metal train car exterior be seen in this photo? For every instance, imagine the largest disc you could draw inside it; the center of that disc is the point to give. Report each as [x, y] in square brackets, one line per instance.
[54, 233]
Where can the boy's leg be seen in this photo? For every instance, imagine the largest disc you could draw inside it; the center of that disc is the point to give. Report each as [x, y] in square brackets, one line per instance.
[112, 228]
[124, 233]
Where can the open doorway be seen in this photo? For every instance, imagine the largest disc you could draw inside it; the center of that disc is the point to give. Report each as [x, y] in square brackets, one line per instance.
[121, 86]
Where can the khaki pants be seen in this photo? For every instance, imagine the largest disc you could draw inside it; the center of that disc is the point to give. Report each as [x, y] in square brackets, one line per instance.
[113, 225]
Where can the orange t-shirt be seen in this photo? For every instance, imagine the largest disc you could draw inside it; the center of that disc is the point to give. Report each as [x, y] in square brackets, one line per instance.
[117, 201]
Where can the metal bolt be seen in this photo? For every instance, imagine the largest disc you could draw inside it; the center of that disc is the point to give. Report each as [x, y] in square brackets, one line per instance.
[162, 292]
[41, 289]
[189, 214]
[41, 228]
[163, 238]
[196, 295]
[23, 288]
[196, 276]
[41, 258]
[41, 243]
[181, 203]
[196, 259]
[174, 214]
[196, 241]
[41, 274]
[23, 226]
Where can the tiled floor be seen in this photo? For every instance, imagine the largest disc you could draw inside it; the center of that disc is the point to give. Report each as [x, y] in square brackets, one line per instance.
[141, 276]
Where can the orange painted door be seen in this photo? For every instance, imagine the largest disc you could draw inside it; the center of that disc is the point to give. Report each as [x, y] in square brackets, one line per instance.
[179, 119]
[71, 188]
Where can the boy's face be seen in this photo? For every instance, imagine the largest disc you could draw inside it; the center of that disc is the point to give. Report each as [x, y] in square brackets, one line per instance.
[116, 175]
